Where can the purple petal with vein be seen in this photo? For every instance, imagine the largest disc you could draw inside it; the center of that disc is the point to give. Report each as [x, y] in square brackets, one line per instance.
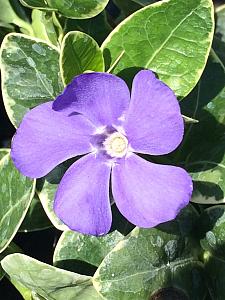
[148, 194]
[82, 199]
[46, 138]
[103, 98]
[154, 124]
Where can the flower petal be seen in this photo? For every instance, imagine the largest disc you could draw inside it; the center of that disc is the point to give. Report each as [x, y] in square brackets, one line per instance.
[154, 124]
[46, 138]
[148, 194]
[103, 98]
[82, 199]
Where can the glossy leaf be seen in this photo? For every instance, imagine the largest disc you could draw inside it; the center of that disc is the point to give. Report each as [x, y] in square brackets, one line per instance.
[172, 38]
[30, 74]
[36, 218]
[150, 260]
[77, 9]
[209, 180]
[16, 194]
[79, 53]
[47, 281]
[204, 144]
[91, 249]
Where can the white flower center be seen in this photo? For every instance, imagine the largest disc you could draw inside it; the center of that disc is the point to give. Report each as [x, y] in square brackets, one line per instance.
[116, 145]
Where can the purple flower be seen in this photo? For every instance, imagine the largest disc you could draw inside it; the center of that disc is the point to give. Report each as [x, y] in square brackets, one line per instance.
[95, 115]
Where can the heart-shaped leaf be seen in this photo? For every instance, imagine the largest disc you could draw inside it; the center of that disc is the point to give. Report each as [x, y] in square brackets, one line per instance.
[172, 38]
[30, 74]
[150, 260]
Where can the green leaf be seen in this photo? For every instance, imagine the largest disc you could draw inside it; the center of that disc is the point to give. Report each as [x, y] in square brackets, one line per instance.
[212, 239]
[209, 181]
[8, 15]
[75, 9]
[79, 53]
[220, 22]
[12, 248]
[75, 246]
[17, 192]
[204, 143]
[36, 218]
[30, 74]
[43, 26]
[78, 9]
[172, 38]
[47, 281]
[97, 27]
[150, 260]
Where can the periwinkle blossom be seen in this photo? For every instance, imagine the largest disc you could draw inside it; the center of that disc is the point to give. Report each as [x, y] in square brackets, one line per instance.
[95, 115]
